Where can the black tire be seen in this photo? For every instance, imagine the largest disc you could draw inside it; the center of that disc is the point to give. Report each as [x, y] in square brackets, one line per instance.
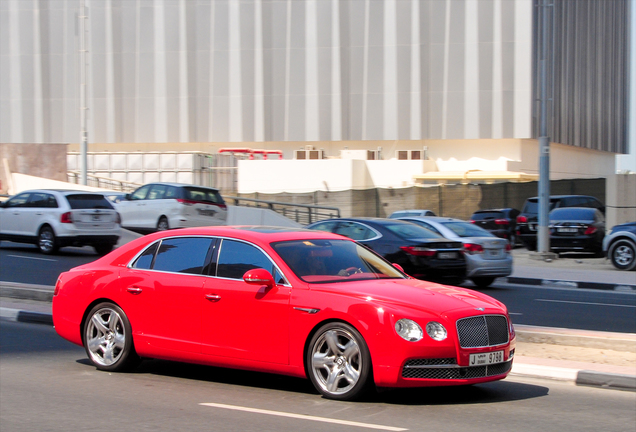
[338, 362]
[622, 254]
[103, 249]
[47, 243]
[531, 246]
[162, 224]
[107, 338]
[483, 282]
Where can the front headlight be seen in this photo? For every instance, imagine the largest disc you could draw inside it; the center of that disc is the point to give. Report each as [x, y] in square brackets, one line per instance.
[409, 330]
[436, 331]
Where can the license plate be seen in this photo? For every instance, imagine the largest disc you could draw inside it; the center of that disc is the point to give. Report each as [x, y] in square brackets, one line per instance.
[567, 230]
[486, 358]
[447, 255]
[495, 253]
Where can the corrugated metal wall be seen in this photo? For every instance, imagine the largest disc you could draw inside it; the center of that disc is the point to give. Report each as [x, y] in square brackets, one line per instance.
[267, 70]
[591, 67]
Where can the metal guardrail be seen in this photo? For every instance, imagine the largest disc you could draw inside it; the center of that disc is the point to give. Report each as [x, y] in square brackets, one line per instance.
[302, 213]
[103, 182]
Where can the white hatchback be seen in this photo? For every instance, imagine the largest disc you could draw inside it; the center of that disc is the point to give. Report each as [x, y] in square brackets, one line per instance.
[52, 219]
[162, 206]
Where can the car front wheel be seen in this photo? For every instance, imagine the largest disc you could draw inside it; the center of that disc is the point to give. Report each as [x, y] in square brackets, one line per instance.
[338, 362]
[622, 253]
[108, 338]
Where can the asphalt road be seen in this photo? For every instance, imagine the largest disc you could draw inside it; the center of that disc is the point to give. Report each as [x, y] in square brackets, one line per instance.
[531, 305]
[46, 383]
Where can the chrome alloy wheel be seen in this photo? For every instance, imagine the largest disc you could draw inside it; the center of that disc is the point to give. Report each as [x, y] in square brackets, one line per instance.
[336, 362]
[46, 240]
[105, 337]
[623, 255]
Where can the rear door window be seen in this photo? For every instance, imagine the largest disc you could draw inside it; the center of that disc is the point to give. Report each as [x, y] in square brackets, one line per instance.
[182, 255]
[88, 201]
[42, 200]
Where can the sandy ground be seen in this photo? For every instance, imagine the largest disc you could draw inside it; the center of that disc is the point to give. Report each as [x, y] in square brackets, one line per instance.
[572, 353]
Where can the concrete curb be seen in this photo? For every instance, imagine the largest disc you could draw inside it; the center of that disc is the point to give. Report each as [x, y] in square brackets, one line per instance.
[571, 284]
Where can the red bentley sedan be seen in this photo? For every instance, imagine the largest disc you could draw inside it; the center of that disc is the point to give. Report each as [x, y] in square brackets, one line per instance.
[296, 302]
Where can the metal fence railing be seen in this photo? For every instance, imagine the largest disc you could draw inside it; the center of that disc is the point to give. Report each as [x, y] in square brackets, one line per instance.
[301, 213]
[103, 182]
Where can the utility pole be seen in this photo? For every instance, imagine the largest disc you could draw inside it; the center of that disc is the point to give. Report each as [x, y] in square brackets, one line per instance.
[546, 9]
[83, 94]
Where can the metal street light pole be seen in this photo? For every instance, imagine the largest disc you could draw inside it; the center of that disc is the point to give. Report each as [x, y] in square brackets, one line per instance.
[83, 97]
[543, 233]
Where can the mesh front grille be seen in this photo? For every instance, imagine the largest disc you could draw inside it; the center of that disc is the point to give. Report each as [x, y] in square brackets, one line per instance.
[430, 362]
[482, 331]
[452, 373]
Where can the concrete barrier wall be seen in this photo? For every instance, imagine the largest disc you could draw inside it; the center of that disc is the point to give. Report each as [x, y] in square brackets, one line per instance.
[41, 160]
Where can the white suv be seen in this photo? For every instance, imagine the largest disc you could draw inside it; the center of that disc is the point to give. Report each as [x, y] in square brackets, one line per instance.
[162, 206]
[52, 219]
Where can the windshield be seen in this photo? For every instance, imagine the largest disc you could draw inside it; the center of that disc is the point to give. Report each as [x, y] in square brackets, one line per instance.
[465, 229]
[411, 231]
[322, 261]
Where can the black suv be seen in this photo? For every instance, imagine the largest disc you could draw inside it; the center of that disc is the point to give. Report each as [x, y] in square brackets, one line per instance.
[528, 218]
[500, 222]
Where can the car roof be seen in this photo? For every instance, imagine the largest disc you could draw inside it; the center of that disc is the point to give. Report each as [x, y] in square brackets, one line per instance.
[439, 219]
[63, 191]
[377, 220]
[564, 196]
[180, 185]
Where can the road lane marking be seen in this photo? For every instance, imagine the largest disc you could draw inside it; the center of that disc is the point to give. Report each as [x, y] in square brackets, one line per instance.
[303, 417]
[515, 313]
[33, 258]
[586, 303]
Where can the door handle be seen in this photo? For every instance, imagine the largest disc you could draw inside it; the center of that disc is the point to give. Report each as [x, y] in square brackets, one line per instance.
[213, 297]
[134, 290]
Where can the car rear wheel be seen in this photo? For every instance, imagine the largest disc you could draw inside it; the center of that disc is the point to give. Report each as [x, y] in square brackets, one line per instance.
[108, 338]
[46, 240]
[483, 282]
[622, 253]
[163, 225]
[338, 362]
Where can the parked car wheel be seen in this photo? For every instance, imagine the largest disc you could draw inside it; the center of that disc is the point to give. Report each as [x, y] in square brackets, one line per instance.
[338, 362]
[623, 254]
[46, 240]
[163, 224]
[483, 282]
[108, 338]
[103, 249]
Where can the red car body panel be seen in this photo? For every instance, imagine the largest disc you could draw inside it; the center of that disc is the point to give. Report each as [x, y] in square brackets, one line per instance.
[267, 329]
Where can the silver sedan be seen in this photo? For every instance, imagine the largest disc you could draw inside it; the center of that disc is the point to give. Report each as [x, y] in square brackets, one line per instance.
[487, 256]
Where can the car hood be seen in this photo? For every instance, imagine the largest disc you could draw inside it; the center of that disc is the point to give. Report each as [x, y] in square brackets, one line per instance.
[423, 296]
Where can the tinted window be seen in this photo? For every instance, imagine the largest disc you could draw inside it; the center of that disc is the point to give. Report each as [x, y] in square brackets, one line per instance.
[42, 200]
[145, 259]
[236, 258]
[203, 195]
[172, 192]
[410, 231]
[182, 255]
[88, 201]
[355, 231]
[569, 213]
[465, 229]
[18, 200]
[487, 215]
[140, 193]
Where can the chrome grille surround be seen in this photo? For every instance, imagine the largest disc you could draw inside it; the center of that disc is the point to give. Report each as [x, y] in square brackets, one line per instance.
[442, 369]
[482, 331]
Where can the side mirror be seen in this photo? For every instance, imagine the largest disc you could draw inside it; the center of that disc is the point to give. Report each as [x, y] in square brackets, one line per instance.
[259, 277]
[399, 267]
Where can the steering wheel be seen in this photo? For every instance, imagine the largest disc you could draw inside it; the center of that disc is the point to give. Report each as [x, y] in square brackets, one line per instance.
[349, 271]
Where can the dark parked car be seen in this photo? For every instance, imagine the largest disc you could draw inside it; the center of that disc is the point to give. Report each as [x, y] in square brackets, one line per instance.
[500, 222]
[577, 229]
[422, 254]
[619, 245]
[528, 218]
